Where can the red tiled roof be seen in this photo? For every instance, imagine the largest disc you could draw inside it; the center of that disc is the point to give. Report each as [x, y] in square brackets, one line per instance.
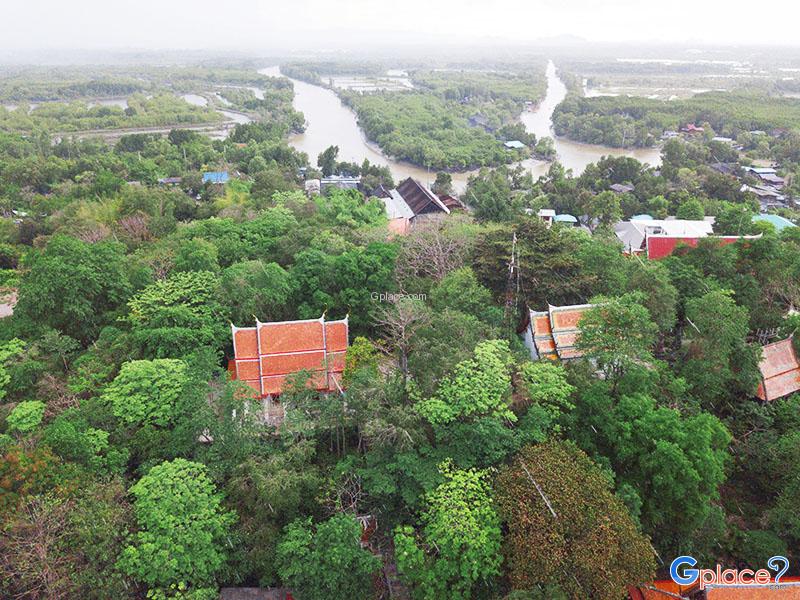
[267, 354]
[660, 246]
[780, 370]
[452, 202]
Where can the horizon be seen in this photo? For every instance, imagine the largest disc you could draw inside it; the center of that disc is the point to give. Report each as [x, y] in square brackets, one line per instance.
[251, 26]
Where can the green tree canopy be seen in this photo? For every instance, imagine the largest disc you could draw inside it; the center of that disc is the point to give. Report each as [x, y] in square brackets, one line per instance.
[459, 544]
[147, 392]
[72, 285]
[183, 529]
[323, 561]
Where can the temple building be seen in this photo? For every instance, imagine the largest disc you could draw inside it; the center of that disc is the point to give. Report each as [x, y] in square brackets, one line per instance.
[265, 356]
[780, 370]
[658, 238]
[552, 333]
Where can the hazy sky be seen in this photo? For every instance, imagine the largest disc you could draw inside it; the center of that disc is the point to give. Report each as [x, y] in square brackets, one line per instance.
[293, 24]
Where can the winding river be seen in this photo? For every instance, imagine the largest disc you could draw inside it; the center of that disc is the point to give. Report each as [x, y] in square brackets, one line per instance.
[330, 123]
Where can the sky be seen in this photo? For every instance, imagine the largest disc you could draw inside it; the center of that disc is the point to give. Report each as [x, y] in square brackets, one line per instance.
[292, 25]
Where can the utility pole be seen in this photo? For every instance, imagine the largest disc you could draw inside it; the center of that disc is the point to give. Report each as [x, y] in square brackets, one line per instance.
[512, 284]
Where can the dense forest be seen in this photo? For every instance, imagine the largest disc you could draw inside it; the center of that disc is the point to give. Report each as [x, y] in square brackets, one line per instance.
[134, 467]
[623, 121]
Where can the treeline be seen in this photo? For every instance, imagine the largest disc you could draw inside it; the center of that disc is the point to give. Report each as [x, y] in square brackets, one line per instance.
[41, 84]
[623, 121]
[163, 107]
[516, 87]
[160, 110]
[314, 72]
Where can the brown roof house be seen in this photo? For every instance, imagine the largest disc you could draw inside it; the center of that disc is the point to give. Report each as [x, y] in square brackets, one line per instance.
[411, 201]
[780, 370]
[553, 333]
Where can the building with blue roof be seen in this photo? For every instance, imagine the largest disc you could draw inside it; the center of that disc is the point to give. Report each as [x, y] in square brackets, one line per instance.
[220, 177]
[565, 219]
[777, 221]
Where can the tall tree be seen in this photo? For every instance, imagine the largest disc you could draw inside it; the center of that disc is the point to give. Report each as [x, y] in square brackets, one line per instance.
[565, 526]
[183, 529]
[72, 286]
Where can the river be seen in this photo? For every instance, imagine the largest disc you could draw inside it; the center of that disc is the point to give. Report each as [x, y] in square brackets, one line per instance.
[329, 123]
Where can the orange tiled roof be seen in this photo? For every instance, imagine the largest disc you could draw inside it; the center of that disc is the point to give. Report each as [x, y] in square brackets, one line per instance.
[555, 331]
[782, 591]
[780, 370]
[267, 354]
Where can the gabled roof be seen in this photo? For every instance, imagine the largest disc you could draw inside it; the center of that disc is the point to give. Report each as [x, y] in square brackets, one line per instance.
[396, 207]
[267, 354]
[451, 202]
[780, 370]
[419, 198]
[553, 332]
[621, 188]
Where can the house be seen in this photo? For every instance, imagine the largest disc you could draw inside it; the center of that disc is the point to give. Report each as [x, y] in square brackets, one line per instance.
[759, 171]
[514, 145]
[780, 370]
[768, 197]
[312, 187]
[780, 223]
[775, 181]
[216, 177]
[411, 201]
[170, 180]
[724, 168]
[669, 135]
[452, 202]
[621, 188]
[567, 219]
[658, 238]
[267, 355]
[547, 215]
[552, 333]
[634, 233]
[661, 246]
[692, 128]
[341, 182]
[722, 139]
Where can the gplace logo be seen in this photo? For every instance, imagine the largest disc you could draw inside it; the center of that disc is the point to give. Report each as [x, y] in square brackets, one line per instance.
[718, 576]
